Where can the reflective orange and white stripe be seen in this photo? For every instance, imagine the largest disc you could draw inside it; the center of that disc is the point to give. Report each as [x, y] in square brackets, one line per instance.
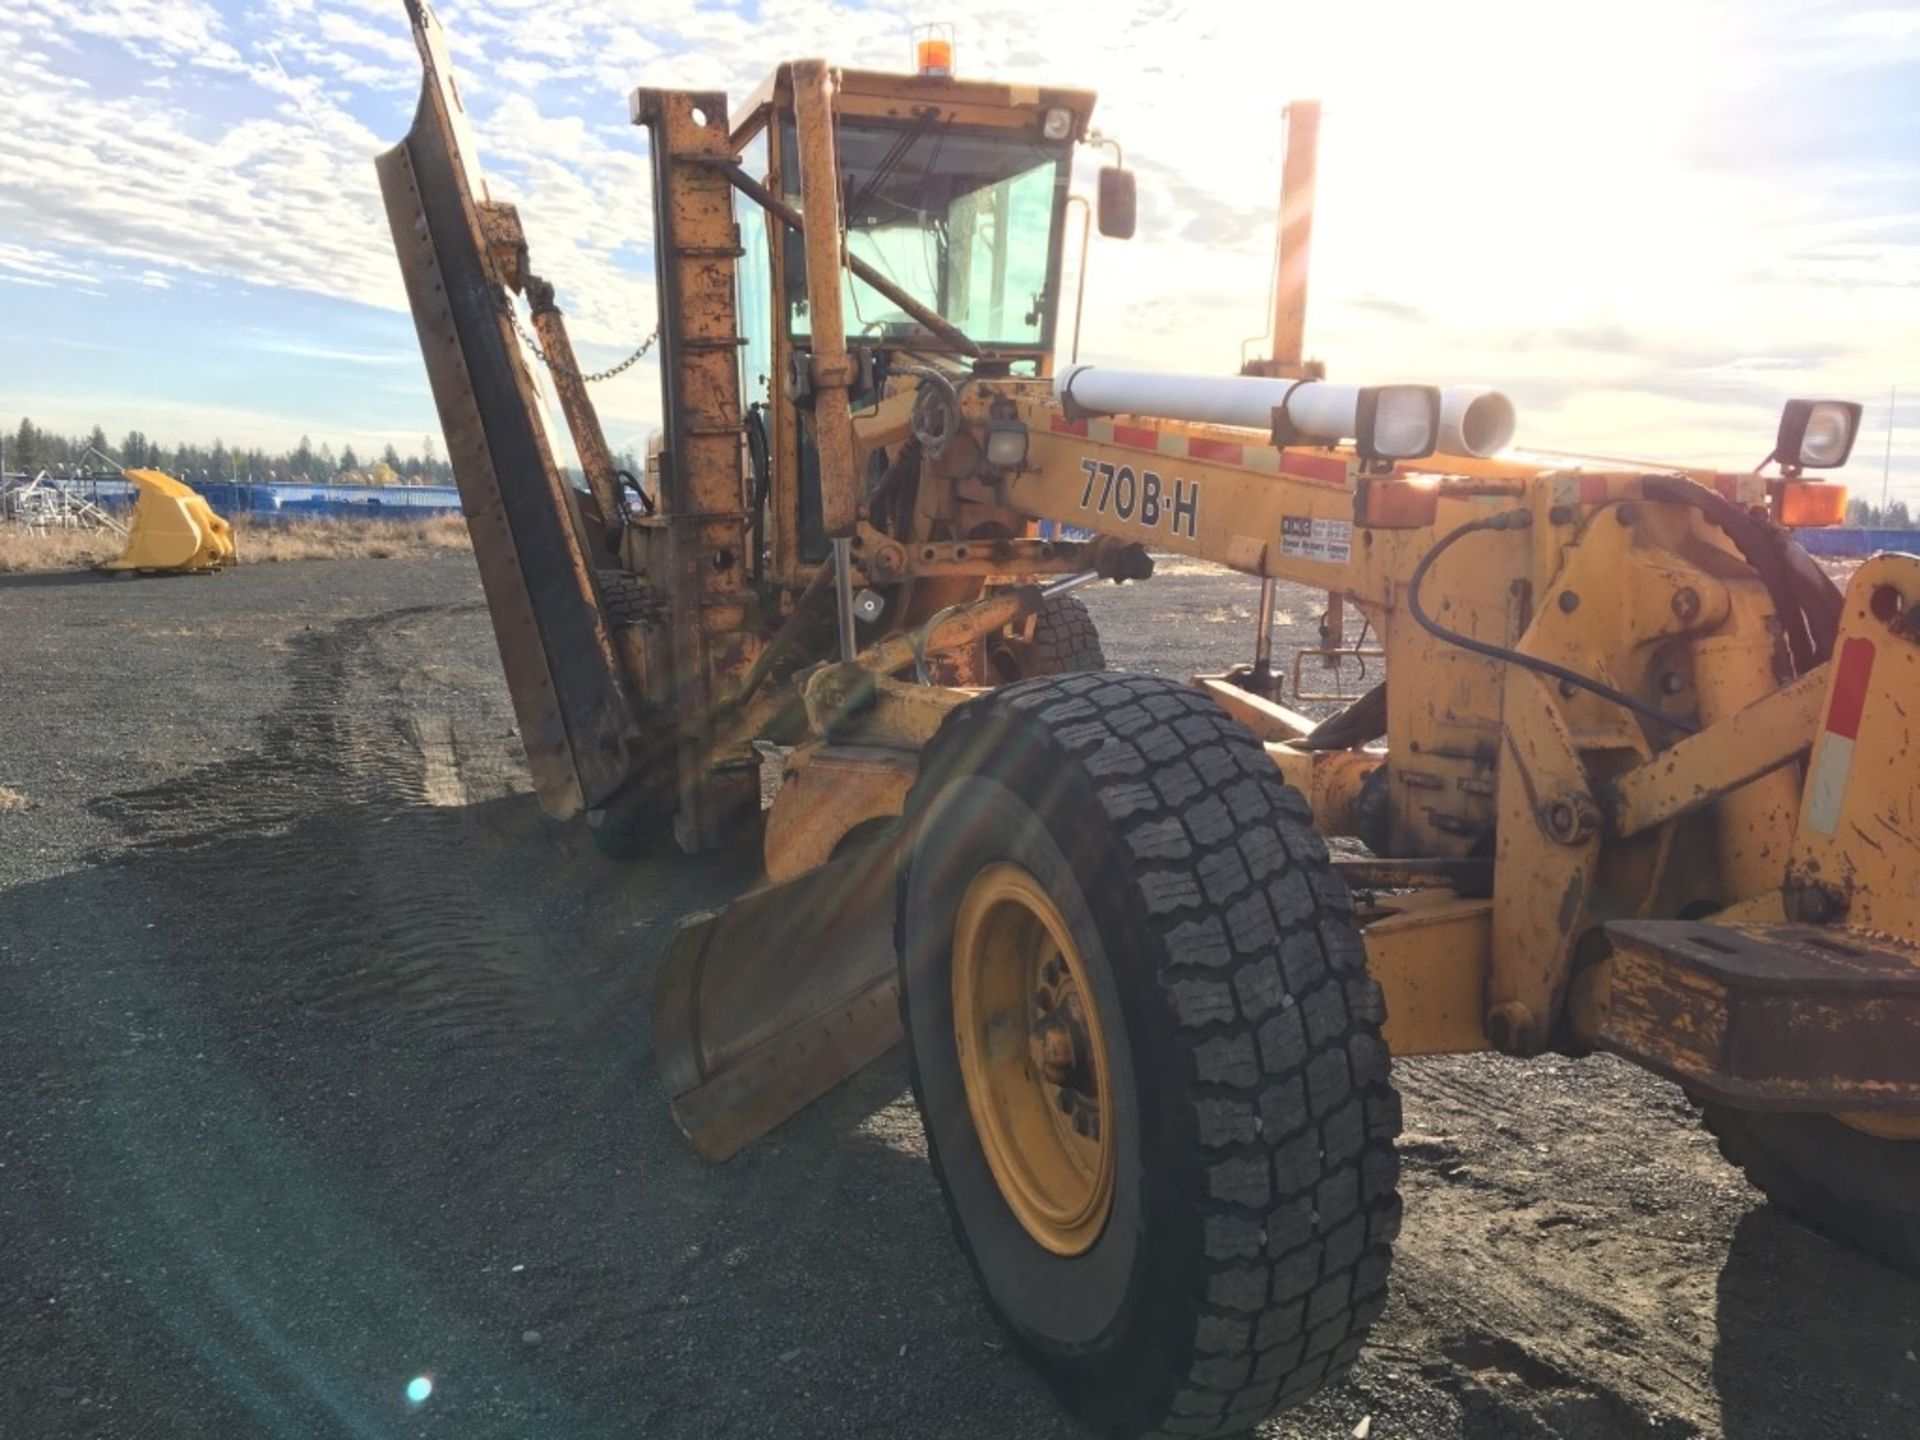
[1834, 764]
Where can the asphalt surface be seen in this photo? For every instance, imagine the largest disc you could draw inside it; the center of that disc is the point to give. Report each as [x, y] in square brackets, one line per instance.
[323, 1070]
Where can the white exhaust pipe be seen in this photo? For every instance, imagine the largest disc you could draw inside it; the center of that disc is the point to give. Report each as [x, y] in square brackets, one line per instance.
[1472, 421]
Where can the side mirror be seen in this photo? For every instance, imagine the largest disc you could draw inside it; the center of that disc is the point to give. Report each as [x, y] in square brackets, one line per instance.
[1117, 203]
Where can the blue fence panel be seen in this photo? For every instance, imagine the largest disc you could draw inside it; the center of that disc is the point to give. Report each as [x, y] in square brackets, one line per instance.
[231, 499]
[330, 502]
[109, 492]
[1058, 530]
[1852, 542]
[267, 502]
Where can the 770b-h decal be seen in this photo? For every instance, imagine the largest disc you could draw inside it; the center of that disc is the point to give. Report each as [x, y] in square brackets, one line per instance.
[1142, 497]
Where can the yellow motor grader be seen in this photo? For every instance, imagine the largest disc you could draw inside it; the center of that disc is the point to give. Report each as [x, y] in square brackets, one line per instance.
[1639, 780]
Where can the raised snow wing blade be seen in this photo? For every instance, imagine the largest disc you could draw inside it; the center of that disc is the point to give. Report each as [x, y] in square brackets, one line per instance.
[568, 695]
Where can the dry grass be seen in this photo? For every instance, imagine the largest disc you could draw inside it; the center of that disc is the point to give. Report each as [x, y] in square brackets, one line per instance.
[21, 550]
[12, 801]
[348, 539]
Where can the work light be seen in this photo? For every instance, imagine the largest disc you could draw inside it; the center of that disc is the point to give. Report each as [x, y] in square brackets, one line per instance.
[1817, 434]
[1006, 444]
[1057, 124]
[1396, 422]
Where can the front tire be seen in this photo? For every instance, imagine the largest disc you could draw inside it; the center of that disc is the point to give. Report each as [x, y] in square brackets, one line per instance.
[1224, 1043]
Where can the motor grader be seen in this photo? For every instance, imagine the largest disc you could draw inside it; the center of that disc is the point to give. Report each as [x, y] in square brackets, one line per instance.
[1638, 780]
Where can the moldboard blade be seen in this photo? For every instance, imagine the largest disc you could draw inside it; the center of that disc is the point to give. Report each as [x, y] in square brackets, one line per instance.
[763, 1007]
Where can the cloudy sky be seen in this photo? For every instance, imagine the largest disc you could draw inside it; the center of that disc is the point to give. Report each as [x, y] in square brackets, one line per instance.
[1651, 222]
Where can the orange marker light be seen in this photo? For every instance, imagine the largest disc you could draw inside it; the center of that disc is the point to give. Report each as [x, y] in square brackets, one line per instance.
[1808, 504]
[934, 57]
[1393, 502]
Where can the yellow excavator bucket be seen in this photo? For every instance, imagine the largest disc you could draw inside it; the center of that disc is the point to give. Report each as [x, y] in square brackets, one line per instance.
[173, 529]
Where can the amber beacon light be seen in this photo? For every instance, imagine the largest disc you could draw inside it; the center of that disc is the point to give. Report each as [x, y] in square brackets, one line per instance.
[933, 49]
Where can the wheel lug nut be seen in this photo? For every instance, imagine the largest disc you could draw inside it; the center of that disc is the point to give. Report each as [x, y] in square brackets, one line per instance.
[1053, 1052]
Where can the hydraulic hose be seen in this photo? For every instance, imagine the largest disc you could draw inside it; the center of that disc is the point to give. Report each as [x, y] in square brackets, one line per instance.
[1804, 596]
[1519, 520]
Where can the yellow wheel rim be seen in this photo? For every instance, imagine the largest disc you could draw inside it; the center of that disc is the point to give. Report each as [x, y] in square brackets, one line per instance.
[1881, 1127]
[1033, 1058]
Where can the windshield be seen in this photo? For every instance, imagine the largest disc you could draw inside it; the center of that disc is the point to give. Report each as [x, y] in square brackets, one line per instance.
[962, 220]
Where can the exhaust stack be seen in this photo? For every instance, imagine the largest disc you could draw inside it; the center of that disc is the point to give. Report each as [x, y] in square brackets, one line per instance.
[1473, 421]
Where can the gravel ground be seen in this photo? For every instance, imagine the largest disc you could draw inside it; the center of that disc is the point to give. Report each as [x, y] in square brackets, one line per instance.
[325, 1069]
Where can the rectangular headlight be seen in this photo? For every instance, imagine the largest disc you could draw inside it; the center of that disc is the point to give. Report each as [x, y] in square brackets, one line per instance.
[1397, 422]
[1817, 434]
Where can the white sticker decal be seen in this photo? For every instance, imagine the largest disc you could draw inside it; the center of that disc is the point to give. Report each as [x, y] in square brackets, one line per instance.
[1313, 539]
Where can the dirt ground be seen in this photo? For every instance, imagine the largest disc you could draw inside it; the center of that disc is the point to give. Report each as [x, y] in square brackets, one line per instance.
[323, 1066]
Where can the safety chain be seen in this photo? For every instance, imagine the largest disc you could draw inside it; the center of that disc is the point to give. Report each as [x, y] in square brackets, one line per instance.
[599, 375]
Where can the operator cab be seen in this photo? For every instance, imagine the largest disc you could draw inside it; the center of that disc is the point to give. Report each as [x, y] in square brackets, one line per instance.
[955, 191]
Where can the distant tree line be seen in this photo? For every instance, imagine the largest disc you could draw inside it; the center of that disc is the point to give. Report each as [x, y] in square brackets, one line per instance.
[30, 449]
[1895, 517]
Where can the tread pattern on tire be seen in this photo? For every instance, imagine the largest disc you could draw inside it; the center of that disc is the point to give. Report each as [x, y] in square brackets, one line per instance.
[1065, 639]
[1289, 1161]
[626, 599]
[1792, 1159]
[640, 822]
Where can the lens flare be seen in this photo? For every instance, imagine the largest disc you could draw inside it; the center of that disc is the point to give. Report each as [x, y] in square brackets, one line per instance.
[418, 1389]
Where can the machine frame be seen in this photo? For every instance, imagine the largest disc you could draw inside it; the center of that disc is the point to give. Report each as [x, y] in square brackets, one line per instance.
[1645, 783]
